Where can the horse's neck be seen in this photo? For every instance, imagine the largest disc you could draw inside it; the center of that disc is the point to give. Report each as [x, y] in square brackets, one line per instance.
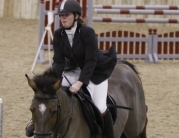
[71, 109]
[70, 106]
[65, 101]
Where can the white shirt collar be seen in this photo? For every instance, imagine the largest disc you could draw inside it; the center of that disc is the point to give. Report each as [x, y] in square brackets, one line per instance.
[72, 30]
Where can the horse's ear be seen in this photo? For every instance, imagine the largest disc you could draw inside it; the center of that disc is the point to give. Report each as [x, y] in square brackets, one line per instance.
[56, 86]
[31, 82]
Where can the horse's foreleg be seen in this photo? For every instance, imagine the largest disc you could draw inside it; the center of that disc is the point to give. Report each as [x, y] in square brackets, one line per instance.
[144, 132]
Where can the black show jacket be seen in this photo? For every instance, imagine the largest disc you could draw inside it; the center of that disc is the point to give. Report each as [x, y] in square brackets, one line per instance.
[95, 65]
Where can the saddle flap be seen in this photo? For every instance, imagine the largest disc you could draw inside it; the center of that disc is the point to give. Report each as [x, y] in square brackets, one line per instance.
[91, 112]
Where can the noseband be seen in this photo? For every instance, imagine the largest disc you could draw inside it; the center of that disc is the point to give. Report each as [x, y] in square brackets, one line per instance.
[43, 134]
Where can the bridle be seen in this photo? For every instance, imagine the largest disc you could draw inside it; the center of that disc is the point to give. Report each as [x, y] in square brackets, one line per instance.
[54, 133]
[37, 133]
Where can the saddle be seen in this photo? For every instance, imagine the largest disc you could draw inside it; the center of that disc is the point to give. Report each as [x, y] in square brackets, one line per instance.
[92, 114]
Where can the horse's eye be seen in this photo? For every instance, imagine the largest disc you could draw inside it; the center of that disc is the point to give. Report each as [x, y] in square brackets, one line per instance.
[53, 111]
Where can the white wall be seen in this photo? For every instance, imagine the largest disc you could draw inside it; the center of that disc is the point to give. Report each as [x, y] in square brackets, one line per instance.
[20, 9]
[1, 8]
[29, 9]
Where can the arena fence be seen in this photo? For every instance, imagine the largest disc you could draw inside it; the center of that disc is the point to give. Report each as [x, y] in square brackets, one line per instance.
[129, 45]
[130, 9]
[165, 46]
[1, 117]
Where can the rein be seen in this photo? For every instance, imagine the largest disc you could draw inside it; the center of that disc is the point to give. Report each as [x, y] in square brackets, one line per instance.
[71, 105]
[69, 121]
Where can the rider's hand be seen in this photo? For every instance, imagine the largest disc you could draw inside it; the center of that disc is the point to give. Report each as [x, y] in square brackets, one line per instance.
[75, 86]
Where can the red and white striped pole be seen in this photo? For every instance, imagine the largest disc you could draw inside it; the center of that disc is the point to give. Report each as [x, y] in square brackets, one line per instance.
[149, 7]
[129, 11]
[135, 20]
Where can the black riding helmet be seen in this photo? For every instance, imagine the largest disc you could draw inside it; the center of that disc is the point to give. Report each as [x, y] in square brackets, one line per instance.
[69, 6]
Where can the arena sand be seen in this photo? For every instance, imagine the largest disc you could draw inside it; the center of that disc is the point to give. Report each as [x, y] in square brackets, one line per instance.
[18, 46]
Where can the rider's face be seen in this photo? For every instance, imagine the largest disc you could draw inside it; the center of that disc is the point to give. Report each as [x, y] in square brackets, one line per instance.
[67, 19]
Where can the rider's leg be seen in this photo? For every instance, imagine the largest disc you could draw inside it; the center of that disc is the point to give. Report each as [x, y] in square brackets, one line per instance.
[108, 124]
[99, 94]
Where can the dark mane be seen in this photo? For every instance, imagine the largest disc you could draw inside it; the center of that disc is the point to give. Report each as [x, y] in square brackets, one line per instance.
[45, 81]
[130, 65]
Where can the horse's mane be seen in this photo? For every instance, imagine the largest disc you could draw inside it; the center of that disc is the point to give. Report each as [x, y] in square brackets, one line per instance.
[130, 65]
[45, 81]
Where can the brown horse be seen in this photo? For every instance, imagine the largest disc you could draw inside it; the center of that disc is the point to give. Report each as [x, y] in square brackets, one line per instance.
[58, 114]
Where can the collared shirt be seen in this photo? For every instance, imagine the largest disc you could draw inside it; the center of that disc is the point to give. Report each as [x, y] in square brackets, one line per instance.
[70, 33]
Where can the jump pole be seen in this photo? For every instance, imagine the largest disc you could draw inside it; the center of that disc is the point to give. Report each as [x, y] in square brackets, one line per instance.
[129, 11]
[149, 7]
[1, 117]
[135, 20]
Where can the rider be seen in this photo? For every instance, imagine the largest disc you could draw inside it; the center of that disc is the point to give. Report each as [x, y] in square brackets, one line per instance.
[76, 54]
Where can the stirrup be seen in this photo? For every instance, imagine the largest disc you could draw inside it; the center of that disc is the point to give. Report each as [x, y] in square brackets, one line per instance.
[29, 129]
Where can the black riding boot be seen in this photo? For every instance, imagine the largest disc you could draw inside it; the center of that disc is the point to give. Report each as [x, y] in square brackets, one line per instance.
[108, 124]
[29, 130]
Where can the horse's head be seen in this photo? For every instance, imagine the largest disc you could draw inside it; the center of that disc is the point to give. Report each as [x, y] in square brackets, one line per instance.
[45, 104]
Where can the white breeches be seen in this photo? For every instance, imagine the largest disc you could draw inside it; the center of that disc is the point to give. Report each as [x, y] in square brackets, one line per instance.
[98, 92]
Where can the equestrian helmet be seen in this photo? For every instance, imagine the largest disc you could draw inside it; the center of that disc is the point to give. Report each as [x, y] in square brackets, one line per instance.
[69, 6]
